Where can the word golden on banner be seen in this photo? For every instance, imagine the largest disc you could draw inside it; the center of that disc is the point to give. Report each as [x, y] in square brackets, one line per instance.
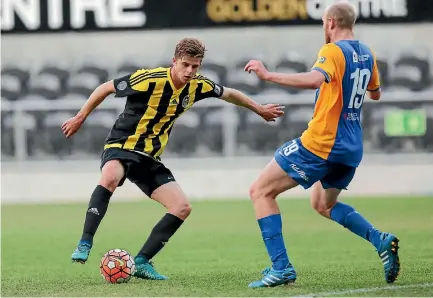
[220, 11]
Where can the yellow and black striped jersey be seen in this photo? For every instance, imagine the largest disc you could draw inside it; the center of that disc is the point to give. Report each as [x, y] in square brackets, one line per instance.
[153, 104]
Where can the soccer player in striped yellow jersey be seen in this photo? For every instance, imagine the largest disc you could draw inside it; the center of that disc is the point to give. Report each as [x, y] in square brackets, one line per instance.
[155, 99]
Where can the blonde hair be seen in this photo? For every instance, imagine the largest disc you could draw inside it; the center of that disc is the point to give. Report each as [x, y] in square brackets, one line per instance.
[191, 47]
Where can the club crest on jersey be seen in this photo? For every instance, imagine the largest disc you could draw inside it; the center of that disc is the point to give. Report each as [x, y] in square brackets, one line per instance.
[322, 60]
[185, 101]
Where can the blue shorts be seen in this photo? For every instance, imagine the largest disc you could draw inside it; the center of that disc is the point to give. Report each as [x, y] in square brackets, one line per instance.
[307, 168]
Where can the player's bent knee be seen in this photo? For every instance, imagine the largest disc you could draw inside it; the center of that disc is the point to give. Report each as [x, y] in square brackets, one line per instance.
[181, 210]
[173, 198]
[320, 208]
[322, 200]
[112, 173]
[185, 209]
[110, 182]
[321, 205]
[316, 202]
[255, 191]
[259, 191]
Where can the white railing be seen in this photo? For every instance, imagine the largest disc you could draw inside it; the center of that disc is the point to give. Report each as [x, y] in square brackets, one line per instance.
[20, 107]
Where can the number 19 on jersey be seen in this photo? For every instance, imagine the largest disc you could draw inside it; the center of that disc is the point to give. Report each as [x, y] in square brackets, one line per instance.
[361, 79]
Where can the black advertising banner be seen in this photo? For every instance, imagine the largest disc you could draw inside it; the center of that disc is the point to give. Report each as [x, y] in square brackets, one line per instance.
[26, 16]
[300, 12]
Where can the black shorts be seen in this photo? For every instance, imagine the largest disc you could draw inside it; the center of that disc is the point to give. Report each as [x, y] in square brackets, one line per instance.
[147, 173]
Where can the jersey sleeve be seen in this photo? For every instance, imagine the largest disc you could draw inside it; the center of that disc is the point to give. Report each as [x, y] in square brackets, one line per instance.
[374, 84]
[208, 89]
[132, 83]
[327, 61]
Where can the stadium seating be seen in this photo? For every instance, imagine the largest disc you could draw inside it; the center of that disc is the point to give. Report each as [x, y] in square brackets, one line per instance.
[202, 130]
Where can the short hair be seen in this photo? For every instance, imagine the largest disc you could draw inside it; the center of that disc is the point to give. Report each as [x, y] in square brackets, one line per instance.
[343, 13]
[191, 47]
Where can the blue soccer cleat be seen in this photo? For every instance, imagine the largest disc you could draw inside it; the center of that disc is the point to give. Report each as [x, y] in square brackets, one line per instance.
[388, 253]
[272, 278]
[81, 253]
[145, 269]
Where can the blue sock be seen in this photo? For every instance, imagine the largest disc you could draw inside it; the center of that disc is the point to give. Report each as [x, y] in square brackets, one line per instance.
[272, 228]
[346, 216]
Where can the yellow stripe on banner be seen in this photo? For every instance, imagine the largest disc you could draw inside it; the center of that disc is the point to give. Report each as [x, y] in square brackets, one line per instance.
[112, 146]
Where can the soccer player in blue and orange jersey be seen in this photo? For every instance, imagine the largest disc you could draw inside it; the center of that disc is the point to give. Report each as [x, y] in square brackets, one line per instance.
[329, 151]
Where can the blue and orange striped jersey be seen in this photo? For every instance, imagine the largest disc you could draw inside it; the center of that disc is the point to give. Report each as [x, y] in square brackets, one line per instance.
[335, 131]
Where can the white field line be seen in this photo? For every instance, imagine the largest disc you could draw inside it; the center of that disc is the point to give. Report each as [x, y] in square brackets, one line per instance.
[366, 290]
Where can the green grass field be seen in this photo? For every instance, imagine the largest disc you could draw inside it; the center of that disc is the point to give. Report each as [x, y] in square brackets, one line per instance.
[218, 251]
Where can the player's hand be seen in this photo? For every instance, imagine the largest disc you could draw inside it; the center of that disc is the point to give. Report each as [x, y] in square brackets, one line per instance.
[258, 67]
[71, 126]
[270, 112]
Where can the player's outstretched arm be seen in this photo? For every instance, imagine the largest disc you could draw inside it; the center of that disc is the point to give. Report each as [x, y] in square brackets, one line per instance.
[373, 87]
[306, 80]
[374, 95]
[72, 125]
[268, 112]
